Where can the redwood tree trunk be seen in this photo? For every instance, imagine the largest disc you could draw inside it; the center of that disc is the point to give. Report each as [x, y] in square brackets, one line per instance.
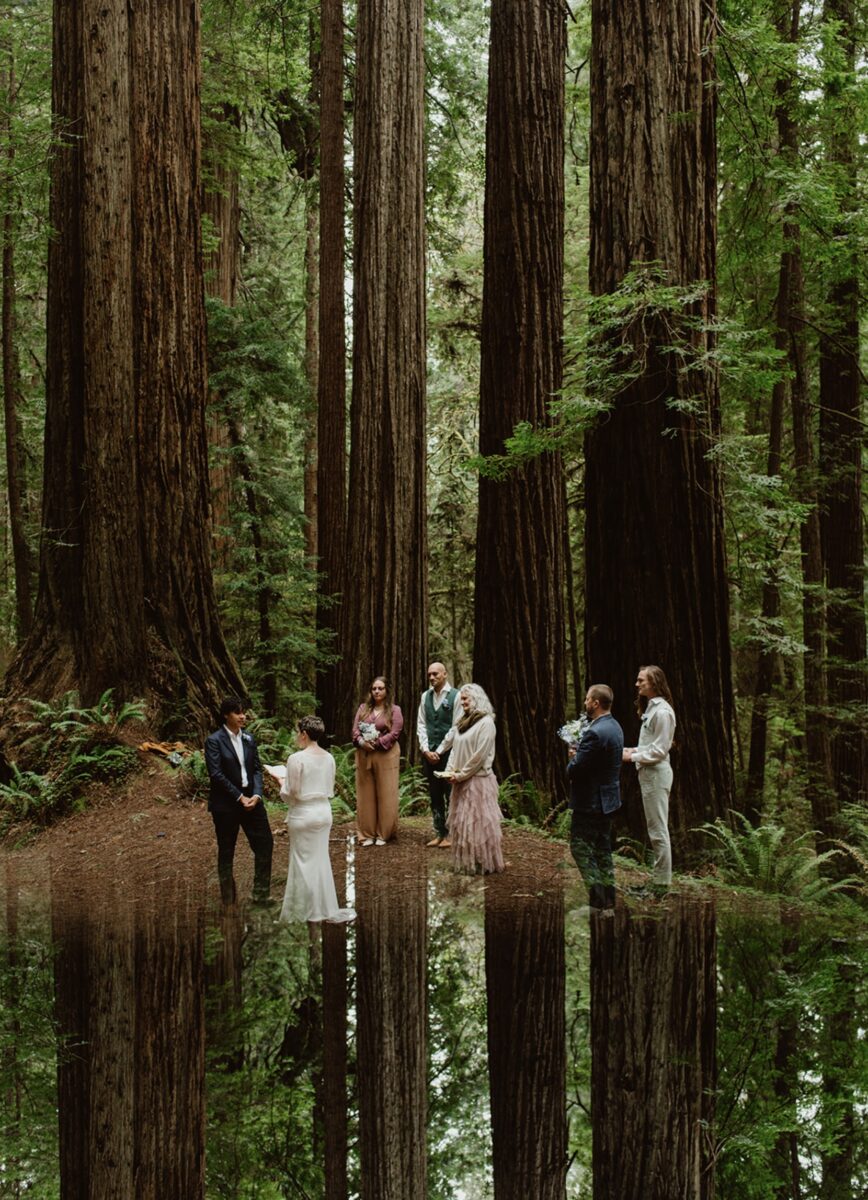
[520, 632]
[656, 588]
[126, 597]
[15, 473]
[524, 984]
[384, 612]
[331, 465]
[653, 1037]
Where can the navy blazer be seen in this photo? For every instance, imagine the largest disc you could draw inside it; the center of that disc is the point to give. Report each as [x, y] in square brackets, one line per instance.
[594, 772]
[224, 770]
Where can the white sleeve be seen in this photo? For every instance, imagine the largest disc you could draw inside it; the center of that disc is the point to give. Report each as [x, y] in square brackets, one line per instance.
[292, 783]
[422, 725]
[662, 727]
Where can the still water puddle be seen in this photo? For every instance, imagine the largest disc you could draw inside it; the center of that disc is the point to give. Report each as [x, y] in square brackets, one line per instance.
[451, 1043]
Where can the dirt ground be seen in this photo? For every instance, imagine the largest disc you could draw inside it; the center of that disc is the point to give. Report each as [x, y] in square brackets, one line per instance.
[153, 835]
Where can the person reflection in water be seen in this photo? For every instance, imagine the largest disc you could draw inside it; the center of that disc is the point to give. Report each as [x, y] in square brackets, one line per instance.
[474, 812]
[594, 774]
[235, 800]
[310, 782]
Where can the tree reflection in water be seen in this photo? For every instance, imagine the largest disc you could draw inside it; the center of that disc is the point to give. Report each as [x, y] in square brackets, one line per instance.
[423, 1051]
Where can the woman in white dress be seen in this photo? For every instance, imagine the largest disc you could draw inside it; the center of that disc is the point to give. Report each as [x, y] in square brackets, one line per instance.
[474, 811]
[310, 782]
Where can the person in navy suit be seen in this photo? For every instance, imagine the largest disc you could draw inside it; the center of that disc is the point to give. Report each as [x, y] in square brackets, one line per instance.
[235, 800]
[594, 774]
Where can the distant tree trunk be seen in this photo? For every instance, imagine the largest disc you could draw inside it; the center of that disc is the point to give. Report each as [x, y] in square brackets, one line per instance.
[655, 568]
[384, 613]
[331, 466]
[391, 951]
[841, 434]
[311, 368]
[126, 597]
[524, 984]
[13, 1075]
[16, 487]
[266, 659]
[520, 630]
[653, 1040]
[840, 1119]
[221, 203]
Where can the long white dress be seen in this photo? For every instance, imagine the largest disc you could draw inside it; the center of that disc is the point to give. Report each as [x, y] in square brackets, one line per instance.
[310, 887]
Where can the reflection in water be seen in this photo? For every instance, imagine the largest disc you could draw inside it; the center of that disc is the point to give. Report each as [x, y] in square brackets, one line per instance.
[422, 1052]
[524, 977]
[653, 1028]
[131, 1070]
[392, 1023]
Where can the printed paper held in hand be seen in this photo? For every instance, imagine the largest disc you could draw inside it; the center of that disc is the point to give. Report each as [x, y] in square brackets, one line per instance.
[276, 772]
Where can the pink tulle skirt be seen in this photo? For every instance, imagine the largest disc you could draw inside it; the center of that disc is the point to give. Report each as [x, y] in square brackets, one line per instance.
[474, 825]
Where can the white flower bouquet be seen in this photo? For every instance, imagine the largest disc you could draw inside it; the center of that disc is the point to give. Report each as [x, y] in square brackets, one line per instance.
[571, 733]
[368, 730]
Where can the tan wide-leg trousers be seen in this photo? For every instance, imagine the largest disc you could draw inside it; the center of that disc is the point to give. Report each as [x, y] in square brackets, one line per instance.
[377, 793]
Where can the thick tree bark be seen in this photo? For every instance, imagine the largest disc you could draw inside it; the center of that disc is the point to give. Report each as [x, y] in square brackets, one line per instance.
[126, 598]
[331, 467]
[384, 612]
[524, 985]
[841, 433]
[655, 568]
[653, 1037]
[391, 953]
[311, 368]
[16, 488]
[520, 630]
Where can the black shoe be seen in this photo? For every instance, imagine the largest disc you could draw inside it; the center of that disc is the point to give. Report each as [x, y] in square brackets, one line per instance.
[263, 902]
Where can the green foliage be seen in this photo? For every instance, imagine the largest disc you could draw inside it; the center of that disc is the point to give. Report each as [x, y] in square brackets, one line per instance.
[74, 747]
[769, 859]
[521, 801]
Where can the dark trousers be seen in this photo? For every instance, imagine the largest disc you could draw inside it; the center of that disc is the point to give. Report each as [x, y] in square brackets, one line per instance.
[254, 822]
[438, 790]
[591, 847]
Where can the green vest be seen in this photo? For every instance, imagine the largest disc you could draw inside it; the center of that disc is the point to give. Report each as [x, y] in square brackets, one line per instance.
[438, 721]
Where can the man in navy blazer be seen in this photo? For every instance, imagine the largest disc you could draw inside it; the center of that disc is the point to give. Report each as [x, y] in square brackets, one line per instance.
[594, 774]
[235, 800]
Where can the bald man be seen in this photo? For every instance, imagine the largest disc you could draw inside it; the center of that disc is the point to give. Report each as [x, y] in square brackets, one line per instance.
[438, 711]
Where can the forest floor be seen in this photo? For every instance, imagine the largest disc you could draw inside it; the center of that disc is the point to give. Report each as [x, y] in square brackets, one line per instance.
[152, 835]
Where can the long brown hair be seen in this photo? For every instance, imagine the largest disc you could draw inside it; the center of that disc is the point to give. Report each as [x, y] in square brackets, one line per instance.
[368, 702]
[658, 681]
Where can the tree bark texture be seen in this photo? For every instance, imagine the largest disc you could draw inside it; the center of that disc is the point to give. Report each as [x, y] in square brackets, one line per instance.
[391, 954]
[653, 1037]
[126, 597]
[334, 1052]
[16, 487]
[655, 569]
[520, 626]
[331, 467]
[524, 985]
[131, 1068]
[841, 433]
[384, 612]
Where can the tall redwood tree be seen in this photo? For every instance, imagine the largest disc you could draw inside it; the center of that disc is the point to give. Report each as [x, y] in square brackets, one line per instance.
[519, 643]
[126, 598]
[384, 606]
[655, 570]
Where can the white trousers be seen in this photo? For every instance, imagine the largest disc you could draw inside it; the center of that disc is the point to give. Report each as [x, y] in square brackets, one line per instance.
[655, 782]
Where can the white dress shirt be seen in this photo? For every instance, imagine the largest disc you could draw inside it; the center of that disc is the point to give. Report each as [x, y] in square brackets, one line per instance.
[238, 746]
[656, 734]
[422, 726]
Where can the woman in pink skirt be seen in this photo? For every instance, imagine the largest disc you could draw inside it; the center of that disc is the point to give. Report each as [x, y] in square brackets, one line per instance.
[474, 814]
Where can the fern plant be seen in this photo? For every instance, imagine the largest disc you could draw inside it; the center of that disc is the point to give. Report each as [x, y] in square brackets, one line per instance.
[767, 858]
